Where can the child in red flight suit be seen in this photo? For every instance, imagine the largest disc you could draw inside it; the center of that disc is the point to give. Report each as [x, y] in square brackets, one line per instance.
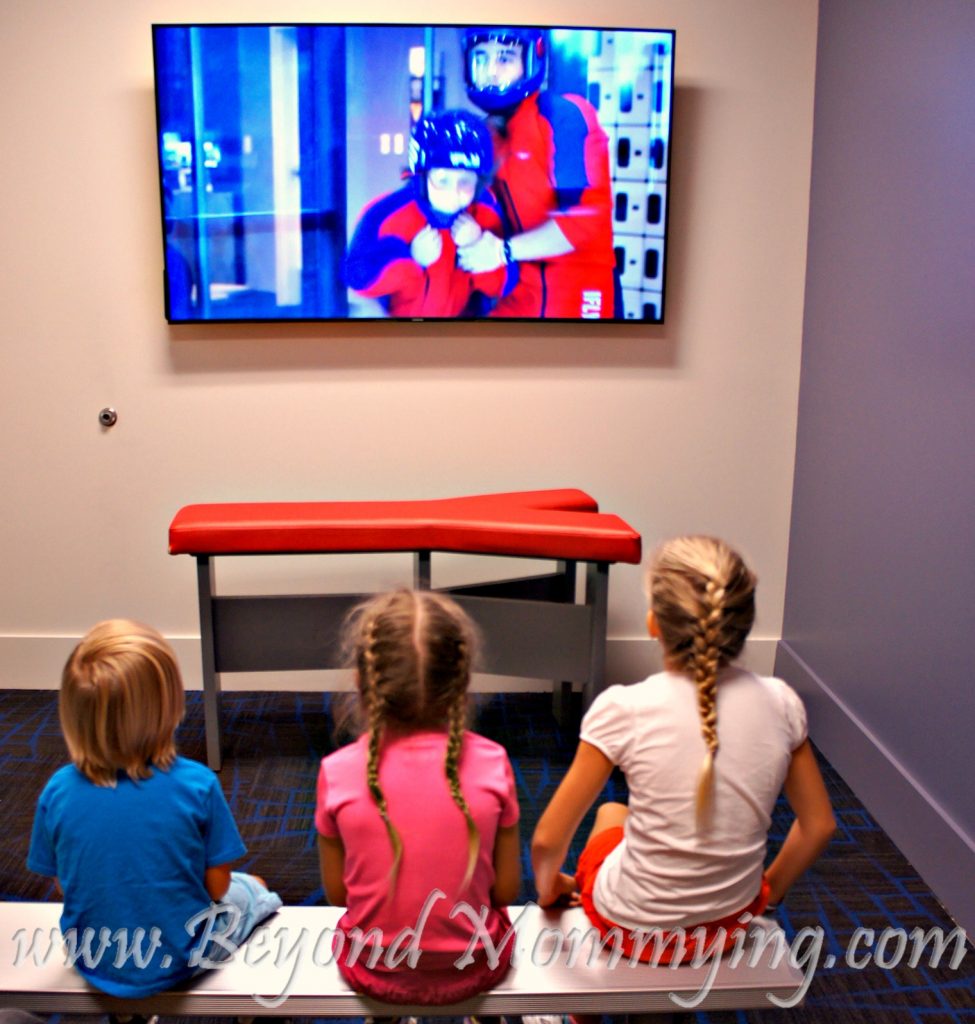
[404, 249]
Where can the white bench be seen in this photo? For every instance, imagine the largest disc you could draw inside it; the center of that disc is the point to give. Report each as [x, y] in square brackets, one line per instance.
[282, 970]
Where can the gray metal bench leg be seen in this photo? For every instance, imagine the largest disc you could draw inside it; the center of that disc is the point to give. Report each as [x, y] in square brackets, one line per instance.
[211, 680]
[597, 598]
[562, 688]
[421, 570]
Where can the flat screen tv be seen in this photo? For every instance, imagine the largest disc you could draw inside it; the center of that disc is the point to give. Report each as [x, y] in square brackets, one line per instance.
[413, 172]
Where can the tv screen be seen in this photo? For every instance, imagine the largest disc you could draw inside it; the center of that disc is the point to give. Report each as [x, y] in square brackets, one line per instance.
[442, 172]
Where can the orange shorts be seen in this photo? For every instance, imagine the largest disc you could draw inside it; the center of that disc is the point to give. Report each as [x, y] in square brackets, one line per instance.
[665, 947]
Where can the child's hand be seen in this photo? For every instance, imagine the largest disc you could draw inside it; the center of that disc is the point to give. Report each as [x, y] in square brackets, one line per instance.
[426, 247]
[564, 894]
[465, 230]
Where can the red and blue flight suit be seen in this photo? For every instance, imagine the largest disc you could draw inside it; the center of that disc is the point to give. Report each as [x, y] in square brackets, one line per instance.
[379, 263]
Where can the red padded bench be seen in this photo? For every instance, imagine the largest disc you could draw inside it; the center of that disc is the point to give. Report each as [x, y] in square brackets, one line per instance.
[533, 625]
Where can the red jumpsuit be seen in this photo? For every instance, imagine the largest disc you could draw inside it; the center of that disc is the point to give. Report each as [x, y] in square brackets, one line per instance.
[552, 162]
[379, 263]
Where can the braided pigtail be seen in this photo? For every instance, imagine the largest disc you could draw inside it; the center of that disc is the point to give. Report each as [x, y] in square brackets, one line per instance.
[452, 770]
[413, 652]
[703, 599]
[374, 711]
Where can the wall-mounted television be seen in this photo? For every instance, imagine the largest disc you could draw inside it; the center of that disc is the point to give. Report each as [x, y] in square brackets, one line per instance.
[441, 172]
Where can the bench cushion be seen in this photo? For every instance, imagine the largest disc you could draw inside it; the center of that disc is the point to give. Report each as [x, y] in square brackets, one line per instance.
[561, 524]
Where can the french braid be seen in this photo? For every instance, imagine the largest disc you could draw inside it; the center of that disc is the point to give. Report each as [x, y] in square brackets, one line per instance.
[703, 598]
[455, 739]
[375, 717]
[703, 663]
[456, 726]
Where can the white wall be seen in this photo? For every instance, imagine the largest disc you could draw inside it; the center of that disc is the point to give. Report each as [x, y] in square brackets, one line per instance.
[689, 426]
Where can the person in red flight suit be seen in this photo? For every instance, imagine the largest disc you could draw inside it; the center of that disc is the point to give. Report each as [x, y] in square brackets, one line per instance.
[551, 178]
[403, 250]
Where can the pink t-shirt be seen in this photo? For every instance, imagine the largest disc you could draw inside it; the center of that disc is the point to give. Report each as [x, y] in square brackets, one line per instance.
[434, 836]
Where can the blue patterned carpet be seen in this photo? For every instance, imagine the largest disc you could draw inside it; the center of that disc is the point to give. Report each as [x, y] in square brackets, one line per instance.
[272, 744]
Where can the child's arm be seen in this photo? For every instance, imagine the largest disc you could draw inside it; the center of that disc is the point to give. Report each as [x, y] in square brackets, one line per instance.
[379, 262]
[217, 881]
[576, 793]
[507, 866]
[331, 858]
[813, 827]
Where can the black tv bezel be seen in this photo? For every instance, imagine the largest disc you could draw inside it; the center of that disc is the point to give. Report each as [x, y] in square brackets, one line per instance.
[459, 319]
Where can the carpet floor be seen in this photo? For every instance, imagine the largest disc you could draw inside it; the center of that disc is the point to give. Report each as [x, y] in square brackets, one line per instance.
[272, 746]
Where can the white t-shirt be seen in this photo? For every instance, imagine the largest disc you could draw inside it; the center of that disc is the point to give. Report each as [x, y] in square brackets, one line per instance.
[666, 873]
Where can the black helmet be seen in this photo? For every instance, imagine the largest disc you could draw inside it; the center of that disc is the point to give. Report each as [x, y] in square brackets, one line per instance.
[455, 139]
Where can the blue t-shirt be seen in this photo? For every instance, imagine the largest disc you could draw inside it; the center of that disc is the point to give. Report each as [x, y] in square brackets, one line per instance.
[133, 857]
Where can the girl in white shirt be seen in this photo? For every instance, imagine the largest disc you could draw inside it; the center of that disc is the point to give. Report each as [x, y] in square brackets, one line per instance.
[706, 749]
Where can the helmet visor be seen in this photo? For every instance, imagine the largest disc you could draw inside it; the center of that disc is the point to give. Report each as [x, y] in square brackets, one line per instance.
[496, 64]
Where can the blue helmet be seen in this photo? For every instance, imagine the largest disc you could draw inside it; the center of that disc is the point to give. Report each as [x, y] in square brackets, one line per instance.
[493, 98]
[456, 139]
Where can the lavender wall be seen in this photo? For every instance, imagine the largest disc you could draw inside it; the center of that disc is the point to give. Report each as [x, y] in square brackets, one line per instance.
[880, 607]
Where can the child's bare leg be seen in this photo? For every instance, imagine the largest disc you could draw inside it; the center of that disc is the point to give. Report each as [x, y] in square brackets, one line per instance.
[609, 815]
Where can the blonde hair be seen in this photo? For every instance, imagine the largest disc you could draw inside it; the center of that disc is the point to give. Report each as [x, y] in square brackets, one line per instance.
[413, 652]
[703, 597]
[121, 701]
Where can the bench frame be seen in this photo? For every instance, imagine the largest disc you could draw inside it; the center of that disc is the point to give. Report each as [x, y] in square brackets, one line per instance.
[533, 626]
[313, 987]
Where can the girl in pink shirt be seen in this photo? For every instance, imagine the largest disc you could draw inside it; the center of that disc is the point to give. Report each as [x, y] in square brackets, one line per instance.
[417, 819]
